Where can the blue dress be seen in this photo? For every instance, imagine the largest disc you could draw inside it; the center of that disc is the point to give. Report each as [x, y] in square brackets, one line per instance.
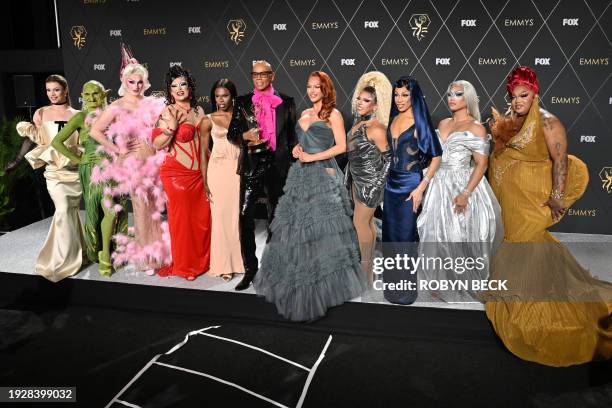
[312, 260]
[399, 221]
[399, 224]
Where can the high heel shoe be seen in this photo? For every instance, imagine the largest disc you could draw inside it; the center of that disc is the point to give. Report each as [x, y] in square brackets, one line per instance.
[246, 281]
[227, 277]
[105, 268]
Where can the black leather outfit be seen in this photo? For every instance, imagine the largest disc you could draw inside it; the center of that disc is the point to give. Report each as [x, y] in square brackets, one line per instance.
[262, 172]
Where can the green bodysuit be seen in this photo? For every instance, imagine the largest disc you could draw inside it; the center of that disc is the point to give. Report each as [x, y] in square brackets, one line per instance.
[101, 223]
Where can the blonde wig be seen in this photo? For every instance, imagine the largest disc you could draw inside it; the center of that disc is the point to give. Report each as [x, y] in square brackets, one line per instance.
[134, 69]
[383, 90]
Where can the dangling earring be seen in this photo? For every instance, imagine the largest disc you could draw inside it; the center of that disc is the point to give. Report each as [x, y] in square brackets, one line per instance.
[374, 114]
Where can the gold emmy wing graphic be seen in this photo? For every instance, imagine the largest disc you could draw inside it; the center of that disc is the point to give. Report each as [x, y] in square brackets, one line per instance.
[419, 24]
[606, 178]
[236, 29]
[79, 35]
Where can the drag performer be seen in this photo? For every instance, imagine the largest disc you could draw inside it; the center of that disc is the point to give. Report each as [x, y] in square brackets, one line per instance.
[263, 125]
[555, 312]
[124, 129]
[224, 184]
[62, 253]
[183, 173]
[369, 158]
[312, 260]
[101, 222]
[459, 205]
[414, 147]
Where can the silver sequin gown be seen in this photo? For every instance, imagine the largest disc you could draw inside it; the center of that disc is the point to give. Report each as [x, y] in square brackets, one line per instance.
[445, 234]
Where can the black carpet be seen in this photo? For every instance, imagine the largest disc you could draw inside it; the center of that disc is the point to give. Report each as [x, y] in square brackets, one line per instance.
[97, 336]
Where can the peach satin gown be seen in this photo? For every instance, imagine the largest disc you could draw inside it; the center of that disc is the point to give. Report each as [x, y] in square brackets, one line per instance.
[224, 185]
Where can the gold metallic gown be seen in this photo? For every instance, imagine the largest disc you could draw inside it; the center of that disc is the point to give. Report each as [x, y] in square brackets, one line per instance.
[62, 253]
[555, 312]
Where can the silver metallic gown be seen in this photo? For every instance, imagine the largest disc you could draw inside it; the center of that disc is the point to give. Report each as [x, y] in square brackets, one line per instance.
[475, 233]
[367, 168]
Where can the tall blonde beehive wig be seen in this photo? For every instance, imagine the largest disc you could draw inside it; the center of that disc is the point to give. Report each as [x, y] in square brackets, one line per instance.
[380, 83]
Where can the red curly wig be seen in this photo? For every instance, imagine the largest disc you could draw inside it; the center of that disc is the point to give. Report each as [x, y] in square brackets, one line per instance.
[522, 75]
[329, 94]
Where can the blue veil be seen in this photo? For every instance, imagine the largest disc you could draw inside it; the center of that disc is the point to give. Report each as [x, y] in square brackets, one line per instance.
[428, 142]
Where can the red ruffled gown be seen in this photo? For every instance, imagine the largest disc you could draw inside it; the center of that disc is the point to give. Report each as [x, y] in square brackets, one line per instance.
[188, 208]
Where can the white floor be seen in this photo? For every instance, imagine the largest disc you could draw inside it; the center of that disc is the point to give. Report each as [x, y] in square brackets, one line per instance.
[19, 249]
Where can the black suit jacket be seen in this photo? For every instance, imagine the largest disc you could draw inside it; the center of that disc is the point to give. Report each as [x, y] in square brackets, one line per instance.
[285, 131]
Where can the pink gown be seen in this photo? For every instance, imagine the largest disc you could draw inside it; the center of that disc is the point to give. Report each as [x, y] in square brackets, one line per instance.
[137, 174]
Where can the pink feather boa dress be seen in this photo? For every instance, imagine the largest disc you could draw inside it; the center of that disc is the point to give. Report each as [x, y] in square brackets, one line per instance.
[147, 245]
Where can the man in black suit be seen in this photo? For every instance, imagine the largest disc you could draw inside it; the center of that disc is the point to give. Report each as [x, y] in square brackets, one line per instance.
[266, 144]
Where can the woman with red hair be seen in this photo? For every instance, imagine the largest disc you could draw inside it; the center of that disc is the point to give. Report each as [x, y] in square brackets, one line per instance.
[312, 260]
[554, 311]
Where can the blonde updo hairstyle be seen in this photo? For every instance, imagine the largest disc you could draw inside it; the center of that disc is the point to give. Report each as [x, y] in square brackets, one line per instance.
[134, 69]
[378, 82]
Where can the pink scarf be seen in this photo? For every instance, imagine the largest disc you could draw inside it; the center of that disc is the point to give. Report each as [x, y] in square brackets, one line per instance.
[264, 104]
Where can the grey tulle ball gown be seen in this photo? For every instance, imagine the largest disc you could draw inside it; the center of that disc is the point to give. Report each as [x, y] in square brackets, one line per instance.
[312, 260]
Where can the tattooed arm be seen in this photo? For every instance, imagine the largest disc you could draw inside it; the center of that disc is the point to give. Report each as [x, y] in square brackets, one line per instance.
[556, 140]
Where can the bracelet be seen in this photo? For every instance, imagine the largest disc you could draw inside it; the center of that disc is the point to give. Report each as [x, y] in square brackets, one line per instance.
[426, 178]
[466, 192]
[557, 194]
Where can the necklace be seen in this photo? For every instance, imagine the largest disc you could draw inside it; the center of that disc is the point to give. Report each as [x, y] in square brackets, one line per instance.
[187, 111]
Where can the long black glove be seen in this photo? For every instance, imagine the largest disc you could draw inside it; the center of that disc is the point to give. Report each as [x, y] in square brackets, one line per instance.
[26, 146]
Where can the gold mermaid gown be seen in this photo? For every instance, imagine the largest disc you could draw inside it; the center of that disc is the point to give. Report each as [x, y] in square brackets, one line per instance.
[62, 253]
[554, 313]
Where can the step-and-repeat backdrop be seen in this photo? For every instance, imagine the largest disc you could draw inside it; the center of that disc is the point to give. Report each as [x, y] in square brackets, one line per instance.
[568, 43]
